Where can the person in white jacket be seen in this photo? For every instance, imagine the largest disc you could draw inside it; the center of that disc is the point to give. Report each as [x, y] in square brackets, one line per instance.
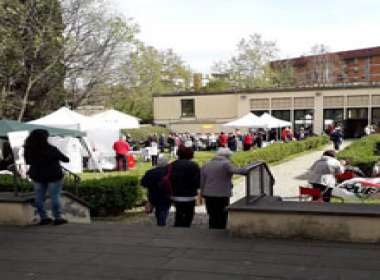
[322, 173]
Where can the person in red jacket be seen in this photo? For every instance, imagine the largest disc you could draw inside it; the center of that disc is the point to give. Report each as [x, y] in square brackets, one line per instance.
[121, 148]
[223, 139]
[247, 142]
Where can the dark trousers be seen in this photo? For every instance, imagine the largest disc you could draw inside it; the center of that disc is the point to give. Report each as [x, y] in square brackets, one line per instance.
[217, 211]
[337, 145]
[154, 160]
[246, 147]
[184, 213]
[121, 163]
[326, 192]
[161, 212]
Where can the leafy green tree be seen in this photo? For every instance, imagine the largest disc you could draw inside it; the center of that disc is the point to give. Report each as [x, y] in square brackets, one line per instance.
[249, 68]
[147, 71]
[32, 58]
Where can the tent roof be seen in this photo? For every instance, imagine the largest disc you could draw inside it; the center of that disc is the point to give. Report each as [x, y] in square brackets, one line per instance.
[249, 120]
[273, 122]
[118, 119]
[7, 126]
[66, 117]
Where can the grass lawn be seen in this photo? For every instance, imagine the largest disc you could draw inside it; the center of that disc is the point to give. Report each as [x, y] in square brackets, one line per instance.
[141, 167]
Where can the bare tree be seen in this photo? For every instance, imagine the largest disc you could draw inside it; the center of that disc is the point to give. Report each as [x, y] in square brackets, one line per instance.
[52, 41]
[323, 67]
[95, 43]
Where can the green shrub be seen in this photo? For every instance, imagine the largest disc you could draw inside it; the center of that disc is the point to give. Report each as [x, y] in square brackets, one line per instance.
[141, 134]
[362, 153]
[278, 151]
[105, 196]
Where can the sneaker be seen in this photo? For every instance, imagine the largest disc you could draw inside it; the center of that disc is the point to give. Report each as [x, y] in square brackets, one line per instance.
[46, 221]
[60, 221]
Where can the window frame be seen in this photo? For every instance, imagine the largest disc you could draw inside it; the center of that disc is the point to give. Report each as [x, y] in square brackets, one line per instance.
[183, 114]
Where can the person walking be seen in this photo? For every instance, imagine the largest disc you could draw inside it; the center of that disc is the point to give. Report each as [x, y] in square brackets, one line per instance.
[185, 181]
[323, 174]
[121, 148]
[46, 174]
[216, 187]
[337, 138]
[157, 197]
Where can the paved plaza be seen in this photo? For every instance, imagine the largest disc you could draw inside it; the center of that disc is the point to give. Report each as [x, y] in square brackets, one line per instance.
[104, 251]
[140, 250]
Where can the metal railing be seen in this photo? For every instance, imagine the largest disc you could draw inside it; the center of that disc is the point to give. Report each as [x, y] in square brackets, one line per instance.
[74, 177]
[259, 181]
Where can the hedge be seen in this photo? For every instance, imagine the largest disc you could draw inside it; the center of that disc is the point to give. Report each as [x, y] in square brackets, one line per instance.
[142, 134]
[105, 196]
[363, 153]
[278, 151]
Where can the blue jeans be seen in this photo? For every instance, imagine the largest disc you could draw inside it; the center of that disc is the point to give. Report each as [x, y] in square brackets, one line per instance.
[162, 212]
[40, 190]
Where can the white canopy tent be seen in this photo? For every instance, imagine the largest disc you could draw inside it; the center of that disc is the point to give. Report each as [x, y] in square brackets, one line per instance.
[249, 120]
[117, 119]
[272, 122]
[100, 135]
[66, 118]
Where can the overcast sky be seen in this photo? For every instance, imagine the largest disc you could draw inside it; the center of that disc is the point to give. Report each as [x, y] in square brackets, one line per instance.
[204, 31]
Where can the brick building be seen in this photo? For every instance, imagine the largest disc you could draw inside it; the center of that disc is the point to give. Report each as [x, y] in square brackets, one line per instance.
[355, 66]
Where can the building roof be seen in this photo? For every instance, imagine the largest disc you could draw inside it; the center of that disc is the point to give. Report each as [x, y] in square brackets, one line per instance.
[302, 60]
[273, 89]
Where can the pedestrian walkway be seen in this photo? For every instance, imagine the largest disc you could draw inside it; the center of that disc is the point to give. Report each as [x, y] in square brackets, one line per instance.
[288, 175]
[139, 252]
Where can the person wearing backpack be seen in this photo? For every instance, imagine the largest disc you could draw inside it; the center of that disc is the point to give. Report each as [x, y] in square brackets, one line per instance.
[185, 182]
[158, 196]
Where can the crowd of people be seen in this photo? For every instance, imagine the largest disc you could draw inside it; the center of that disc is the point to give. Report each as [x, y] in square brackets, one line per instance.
[235, 141]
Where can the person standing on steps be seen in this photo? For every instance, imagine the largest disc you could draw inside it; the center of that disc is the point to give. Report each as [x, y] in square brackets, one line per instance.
[216, 187]
[185, 180]
[157, 198]
[46, 173]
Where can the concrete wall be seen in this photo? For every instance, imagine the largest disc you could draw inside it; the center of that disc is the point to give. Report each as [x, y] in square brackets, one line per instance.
[24, 213]
[323, 227]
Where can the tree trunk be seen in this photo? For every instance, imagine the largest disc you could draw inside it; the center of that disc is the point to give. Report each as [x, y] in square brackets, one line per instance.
[25, 100]
[2, 102]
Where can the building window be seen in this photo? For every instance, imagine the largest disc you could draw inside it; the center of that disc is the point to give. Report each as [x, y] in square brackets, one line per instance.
[376, 116]
[332, 116]
[259, 113]
[357, 113]
[187, 108]
[304, 118]
[281, 114]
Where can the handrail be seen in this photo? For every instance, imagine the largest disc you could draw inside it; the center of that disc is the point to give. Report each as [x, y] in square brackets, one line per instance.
[263, 190]
[75, 176]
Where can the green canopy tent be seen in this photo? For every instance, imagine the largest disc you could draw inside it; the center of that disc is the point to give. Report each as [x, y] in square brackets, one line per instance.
[7, 126]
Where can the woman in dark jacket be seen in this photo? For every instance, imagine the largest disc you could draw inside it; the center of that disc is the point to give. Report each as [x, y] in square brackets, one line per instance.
[46, 173]
[156, 194]
[185, 181]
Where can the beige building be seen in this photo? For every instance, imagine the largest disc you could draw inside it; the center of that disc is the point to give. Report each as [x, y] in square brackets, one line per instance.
[309, 107]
